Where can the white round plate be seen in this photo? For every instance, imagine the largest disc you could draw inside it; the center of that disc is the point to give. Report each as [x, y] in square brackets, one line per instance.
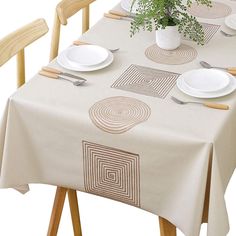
[63, 61]
[193, 93]
[230, 21]
[126, 5]
[205, 80]
[86, 55]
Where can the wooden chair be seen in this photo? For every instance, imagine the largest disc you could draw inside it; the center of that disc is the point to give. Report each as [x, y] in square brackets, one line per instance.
[64, 10]
[15, 43]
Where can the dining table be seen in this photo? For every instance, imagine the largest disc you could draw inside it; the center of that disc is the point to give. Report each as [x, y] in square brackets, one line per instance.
[119, 135]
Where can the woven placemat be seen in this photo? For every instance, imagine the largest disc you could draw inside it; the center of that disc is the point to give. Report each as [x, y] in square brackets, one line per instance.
[209, 32]
[217, 10]
[147, 81]
[183, 54]
[116, 115]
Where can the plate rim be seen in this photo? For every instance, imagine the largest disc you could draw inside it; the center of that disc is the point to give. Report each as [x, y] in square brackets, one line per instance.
[227, 21]
[202, 90]
[228, 90]
[89, 45]
[124, 5]
[102, 65]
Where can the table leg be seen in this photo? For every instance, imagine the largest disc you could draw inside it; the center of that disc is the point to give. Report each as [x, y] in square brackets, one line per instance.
[74, 210]
[56, 211]
[166, 228]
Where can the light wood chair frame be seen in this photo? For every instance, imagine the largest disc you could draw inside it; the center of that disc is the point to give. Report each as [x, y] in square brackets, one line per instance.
[15, 43]
[166, 228]
[64, 10]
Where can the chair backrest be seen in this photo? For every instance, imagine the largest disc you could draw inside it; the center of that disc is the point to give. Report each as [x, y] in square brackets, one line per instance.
[64, 10]
[14, 44]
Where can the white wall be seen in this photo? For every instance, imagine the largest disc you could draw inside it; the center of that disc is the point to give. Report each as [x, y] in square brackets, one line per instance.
[28, 215]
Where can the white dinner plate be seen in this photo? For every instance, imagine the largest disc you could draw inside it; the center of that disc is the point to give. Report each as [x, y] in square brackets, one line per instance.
[86, 55]
[230, 21]
[205, 80]
[193, 93]
[126, 5]
[62, 60]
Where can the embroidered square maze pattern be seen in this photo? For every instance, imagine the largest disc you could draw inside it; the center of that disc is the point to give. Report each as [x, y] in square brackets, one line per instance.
[147, 81]
[111, 173]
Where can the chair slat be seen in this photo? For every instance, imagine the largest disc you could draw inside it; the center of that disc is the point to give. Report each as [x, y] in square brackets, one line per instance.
[18, 40]
[64, 10]
[85, 20]
[67, 8]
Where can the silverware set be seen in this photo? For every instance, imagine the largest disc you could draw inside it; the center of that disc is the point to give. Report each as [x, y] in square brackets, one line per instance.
[57, 74]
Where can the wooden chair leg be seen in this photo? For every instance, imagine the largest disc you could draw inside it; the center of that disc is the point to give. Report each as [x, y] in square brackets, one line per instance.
[74, 210]
[166, 228]
[56, 211]
[85, 20]
[20, 68]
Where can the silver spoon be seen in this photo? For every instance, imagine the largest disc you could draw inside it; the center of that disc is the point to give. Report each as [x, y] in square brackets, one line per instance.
[75, 83]
[231, 70]
[208, 66]
[227, 34]
[207, 104]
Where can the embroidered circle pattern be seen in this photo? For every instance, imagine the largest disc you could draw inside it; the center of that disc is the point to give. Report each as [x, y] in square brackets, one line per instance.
[217, 10]
[183, 54]
[118, 114]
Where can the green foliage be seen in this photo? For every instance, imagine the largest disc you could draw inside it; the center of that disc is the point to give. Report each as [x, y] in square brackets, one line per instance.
[157, 14]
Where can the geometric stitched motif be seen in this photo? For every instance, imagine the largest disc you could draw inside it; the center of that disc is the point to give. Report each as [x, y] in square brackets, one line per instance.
[147, 81]
[111, 173]
[118, 114]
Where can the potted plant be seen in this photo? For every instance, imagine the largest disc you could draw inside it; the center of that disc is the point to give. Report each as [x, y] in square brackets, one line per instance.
[169, 18]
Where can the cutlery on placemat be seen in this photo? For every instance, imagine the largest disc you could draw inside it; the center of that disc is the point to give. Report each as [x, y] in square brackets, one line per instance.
[57, 76]
[227, 34]
[231, 70]
[207, 104]
[78, 43]
[122, 14]
[55, 71]
[116, 17]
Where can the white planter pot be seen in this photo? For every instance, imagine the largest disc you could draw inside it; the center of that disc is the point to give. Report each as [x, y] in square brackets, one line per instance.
[168, 38]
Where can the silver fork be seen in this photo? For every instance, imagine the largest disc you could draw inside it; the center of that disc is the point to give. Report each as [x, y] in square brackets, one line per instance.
[78, 42]
[207, 104]
[227, 34]
[113, 49]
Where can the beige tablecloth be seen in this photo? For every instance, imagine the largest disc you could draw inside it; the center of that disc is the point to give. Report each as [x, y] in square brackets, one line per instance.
[55, 133]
